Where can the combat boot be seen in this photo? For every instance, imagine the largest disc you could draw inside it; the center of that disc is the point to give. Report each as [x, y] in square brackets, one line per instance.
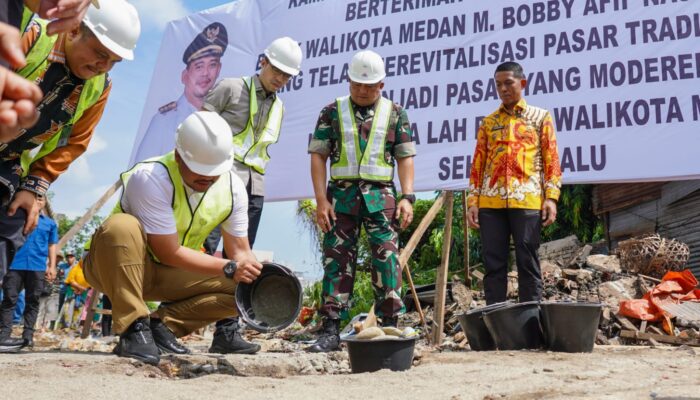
[137, 342]
[329, 339]
[390, 321]
[229, 340]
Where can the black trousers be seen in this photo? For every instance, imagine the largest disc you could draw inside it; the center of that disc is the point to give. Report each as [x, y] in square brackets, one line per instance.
[255, 207]
[33, 282]
[497, 227]
[11, 237]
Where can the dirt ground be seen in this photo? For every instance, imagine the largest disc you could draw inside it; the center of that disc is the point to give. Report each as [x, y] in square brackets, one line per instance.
[610, 372]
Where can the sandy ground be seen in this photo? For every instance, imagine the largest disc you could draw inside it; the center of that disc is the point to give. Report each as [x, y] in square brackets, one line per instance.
[610, 372]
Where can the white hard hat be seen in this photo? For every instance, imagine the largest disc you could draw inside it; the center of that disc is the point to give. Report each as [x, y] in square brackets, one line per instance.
[116, 25]
[204, 143]
[366, 67]
[285, 54]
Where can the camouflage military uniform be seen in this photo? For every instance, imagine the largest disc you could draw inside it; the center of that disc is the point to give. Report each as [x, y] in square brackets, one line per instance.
[360, 202]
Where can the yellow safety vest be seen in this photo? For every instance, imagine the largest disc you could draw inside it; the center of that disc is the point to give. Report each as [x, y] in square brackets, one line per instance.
[37, 64]
[193, 226]
[370, 164]
[246, 149]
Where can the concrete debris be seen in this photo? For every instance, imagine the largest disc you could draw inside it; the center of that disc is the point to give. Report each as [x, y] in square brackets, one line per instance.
[564, 249]
[603, 263]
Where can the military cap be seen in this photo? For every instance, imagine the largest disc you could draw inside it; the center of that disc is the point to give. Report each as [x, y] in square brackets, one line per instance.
[212, 41]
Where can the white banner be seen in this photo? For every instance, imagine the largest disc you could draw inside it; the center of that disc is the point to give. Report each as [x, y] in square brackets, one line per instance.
[620, 77]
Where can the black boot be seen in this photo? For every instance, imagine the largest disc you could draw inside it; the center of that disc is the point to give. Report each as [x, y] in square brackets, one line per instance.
[165, 339]
[329, 339]
[390, 321]
[228, 339]
[8, 344]
[137, 342]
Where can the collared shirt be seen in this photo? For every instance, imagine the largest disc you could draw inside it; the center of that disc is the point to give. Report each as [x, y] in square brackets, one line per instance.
[349, 195]
[159, 137]
[230, 99]
[61, 96]
[33, 254]
[516, 162]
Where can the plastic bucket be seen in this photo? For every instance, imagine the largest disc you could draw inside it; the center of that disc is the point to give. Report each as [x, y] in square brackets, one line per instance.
[272, 301]
[373, 355]
[516, 326]
[475, 329]
[570, 327]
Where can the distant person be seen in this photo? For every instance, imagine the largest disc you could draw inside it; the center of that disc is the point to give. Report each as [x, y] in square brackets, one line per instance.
[63, 269]
[513, 186]
[34, 262]
[202, 59]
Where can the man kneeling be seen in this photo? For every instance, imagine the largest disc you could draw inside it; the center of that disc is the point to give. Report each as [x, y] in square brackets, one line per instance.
[150, 248]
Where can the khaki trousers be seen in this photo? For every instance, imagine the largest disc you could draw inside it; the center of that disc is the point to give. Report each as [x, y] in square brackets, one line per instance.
[120, 266]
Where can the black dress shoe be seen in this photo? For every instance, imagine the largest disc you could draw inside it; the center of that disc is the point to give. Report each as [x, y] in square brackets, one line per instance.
[165, 339]
[28, 341]
[228, 340]
[329, 339]
[137, 342]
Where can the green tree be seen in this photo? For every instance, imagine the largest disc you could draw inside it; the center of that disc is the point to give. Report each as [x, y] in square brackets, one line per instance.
[77, 243]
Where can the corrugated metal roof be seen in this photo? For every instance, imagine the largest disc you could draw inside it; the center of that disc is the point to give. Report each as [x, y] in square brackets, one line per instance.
[674, 213]
[616, 196]
[689, 311]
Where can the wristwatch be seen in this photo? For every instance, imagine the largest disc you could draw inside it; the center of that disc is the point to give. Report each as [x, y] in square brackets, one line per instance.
[410, 197]
[230, 269]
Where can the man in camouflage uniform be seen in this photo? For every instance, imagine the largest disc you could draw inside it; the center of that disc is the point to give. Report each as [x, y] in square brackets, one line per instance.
[363, 134]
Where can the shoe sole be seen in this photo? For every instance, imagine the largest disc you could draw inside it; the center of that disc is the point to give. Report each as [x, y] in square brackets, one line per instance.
[10, 349]
[251, 350]
[165, 350]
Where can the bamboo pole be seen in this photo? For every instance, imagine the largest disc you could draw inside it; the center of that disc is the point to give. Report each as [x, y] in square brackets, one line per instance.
[406, 252]
[441, 281]
[88, 215]
[465, 223]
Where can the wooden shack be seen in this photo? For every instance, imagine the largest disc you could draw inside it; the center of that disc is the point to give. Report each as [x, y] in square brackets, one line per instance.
[671, 209]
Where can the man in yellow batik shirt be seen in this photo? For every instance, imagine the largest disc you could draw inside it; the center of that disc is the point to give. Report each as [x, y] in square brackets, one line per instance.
[513, 186]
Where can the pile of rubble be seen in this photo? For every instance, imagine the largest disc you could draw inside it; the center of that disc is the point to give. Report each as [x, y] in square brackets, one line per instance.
[584, 273]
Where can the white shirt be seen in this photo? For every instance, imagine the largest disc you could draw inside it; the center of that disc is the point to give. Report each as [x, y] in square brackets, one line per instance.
[149, 192]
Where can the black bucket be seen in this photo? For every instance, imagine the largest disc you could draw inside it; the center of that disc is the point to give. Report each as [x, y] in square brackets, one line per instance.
[373, 355]
[475, 329]
[273, 301]
[516, 326]
[570, 327]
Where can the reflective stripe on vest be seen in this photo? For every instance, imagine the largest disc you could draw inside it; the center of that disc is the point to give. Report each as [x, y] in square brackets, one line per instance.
[37, 64]
[370, 164]
[27, 15]
[193, 226]
[246, 149]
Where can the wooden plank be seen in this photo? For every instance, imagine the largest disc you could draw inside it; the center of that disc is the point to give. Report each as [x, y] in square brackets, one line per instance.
[643, 327]
[656, 330]
[441, 280]
[408, 249]
[90, 304]
[465, 226]
[626, 323]
[659, 338]
[478, 274]
[88, 215]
